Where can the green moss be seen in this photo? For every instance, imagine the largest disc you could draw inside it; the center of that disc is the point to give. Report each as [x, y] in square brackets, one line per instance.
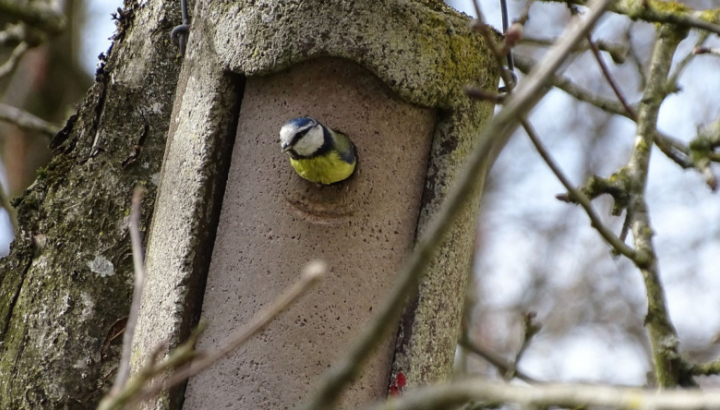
[647, 231]
[620, 177]
[669, 6]
[47, 292]
[700, 144]
[710, 15]
[616, 186]
[425, 54]
[642, 147]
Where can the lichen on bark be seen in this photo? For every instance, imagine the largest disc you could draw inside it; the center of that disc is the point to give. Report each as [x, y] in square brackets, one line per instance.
[68, 278]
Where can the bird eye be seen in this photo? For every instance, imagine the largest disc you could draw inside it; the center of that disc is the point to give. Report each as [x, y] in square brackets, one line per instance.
[299, 135]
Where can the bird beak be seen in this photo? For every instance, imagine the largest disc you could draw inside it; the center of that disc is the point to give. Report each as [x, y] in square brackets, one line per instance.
[286, 147]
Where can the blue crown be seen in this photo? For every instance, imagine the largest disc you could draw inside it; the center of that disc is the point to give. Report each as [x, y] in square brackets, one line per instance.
[302, 122]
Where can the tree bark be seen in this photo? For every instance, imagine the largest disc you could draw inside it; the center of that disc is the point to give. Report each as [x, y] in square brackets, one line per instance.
[65, 288]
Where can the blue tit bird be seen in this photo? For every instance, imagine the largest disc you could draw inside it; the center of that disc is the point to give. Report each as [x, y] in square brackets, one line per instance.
[316, 152]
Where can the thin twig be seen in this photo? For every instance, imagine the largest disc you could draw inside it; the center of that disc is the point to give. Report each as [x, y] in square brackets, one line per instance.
[703, 152]
[610, 79]
[626, 226]
[618, 52]
[707, 50]
[12, 213]
[12, 62]
[139, 266]
[525, 15]
[140, 387]
[503, 366]
[491, 140]
[311, 275]
[635, 58]
[13, 34]
[682, 16]
[555, 395]
[706, 369]
[480, 25]
[530, 328]
[582, 199]
[526, 65]
[180, 356]
[671, 147]
[35, 14]
[680, 67]
[481, 95]
[25, 120]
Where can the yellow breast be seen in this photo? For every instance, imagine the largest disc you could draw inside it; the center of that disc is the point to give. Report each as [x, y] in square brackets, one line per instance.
[324, 169]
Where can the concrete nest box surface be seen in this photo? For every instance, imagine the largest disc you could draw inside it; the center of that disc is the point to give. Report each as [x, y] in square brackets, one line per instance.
[234, 224]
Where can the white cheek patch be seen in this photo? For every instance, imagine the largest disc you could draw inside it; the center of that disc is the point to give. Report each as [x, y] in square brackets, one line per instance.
[311, 142]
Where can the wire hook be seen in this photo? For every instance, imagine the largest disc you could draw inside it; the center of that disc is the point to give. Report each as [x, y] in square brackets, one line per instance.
[180, 33]
[510, 60]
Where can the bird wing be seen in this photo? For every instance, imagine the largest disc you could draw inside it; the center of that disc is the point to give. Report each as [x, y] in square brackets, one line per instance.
[344, 146]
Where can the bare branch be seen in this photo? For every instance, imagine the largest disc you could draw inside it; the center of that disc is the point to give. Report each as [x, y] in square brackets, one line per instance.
[490, 142]
[12, 214]
[707, 50]
[546, 395]
[670, 369]
[139, 388]
[618, 52]
[139, 265]
[311, 275]
[13, 34]
[497, 52]
[531, 328]
[678, 15]
[671, 147]
[608, 76]
[579, 197]
[703, 153]
[526, 65]
[504, 367]
[706, 369]
[26, 120]
[481, 95]
[12, 62]
[35, 14]
[674, 149]
[635, 59]
[680, 67]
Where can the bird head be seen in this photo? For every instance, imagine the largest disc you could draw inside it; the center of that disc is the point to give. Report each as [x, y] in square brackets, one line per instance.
[301, 137]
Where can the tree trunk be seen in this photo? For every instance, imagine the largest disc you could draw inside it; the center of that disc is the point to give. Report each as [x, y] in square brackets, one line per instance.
[65, 288]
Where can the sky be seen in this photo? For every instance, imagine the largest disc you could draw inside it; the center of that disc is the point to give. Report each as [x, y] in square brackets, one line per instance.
[99, 29]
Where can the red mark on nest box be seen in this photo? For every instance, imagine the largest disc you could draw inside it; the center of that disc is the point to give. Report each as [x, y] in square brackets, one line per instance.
[400, 380]
[397, 385]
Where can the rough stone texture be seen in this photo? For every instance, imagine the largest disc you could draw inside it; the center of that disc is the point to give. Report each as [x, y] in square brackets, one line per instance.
[429, 328]
[426, 53]
[273, 222]
[67, 283]
[423, 51]
[188, 204]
